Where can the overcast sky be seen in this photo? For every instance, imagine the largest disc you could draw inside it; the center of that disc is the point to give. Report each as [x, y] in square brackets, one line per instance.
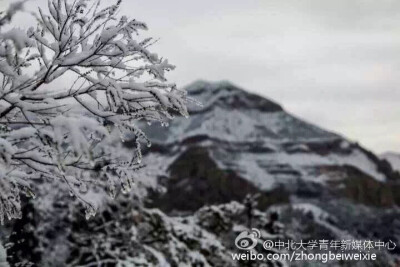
[335, 63]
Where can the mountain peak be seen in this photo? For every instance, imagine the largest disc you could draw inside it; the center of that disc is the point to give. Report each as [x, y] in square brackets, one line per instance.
[227, 95]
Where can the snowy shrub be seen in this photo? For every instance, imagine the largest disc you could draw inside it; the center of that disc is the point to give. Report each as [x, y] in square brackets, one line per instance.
[137, 236]
[70, 132]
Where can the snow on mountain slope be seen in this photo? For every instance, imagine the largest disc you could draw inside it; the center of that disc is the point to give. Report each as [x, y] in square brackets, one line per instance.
[232, 114]
[258, 139]
[393, 159]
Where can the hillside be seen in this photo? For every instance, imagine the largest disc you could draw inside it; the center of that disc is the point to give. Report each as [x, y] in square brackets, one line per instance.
[239, 161]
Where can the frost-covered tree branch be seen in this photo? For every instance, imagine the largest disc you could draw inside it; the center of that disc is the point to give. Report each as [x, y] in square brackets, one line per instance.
[70, 132]
[5, 17]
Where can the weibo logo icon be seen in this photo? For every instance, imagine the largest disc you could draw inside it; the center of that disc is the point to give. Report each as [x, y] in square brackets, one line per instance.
[247, 240]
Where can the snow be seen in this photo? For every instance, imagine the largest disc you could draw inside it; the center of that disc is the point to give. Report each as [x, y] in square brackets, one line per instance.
[182, 231]
[71, 141]
[3, 257]
[159, 256]
[6, 151]
[360, 160]
[263, 169]
[18, 36]
[234, 135]
[242, 126]
[248, 167]
[218, 120]
[322, 218]
[22, 133]
[65, 133]
[316, 211]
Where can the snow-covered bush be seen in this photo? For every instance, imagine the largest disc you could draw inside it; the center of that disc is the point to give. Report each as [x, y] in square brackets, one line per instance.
[71, 131]
[137, 236]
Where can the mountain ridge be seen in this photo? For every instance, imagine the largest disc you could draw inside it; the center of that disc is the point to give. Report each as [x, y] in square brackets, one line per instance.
[270, 149]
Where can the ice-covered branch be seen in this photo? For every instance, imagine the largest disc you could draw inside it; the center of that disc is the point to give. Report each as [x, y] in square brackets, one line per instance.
[72, 133]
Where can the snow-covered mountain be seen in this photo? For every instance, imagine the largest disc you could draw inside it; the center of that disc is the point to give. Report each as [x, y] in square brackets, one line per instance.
[202, 173]
[254, 144]
[239, 143]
